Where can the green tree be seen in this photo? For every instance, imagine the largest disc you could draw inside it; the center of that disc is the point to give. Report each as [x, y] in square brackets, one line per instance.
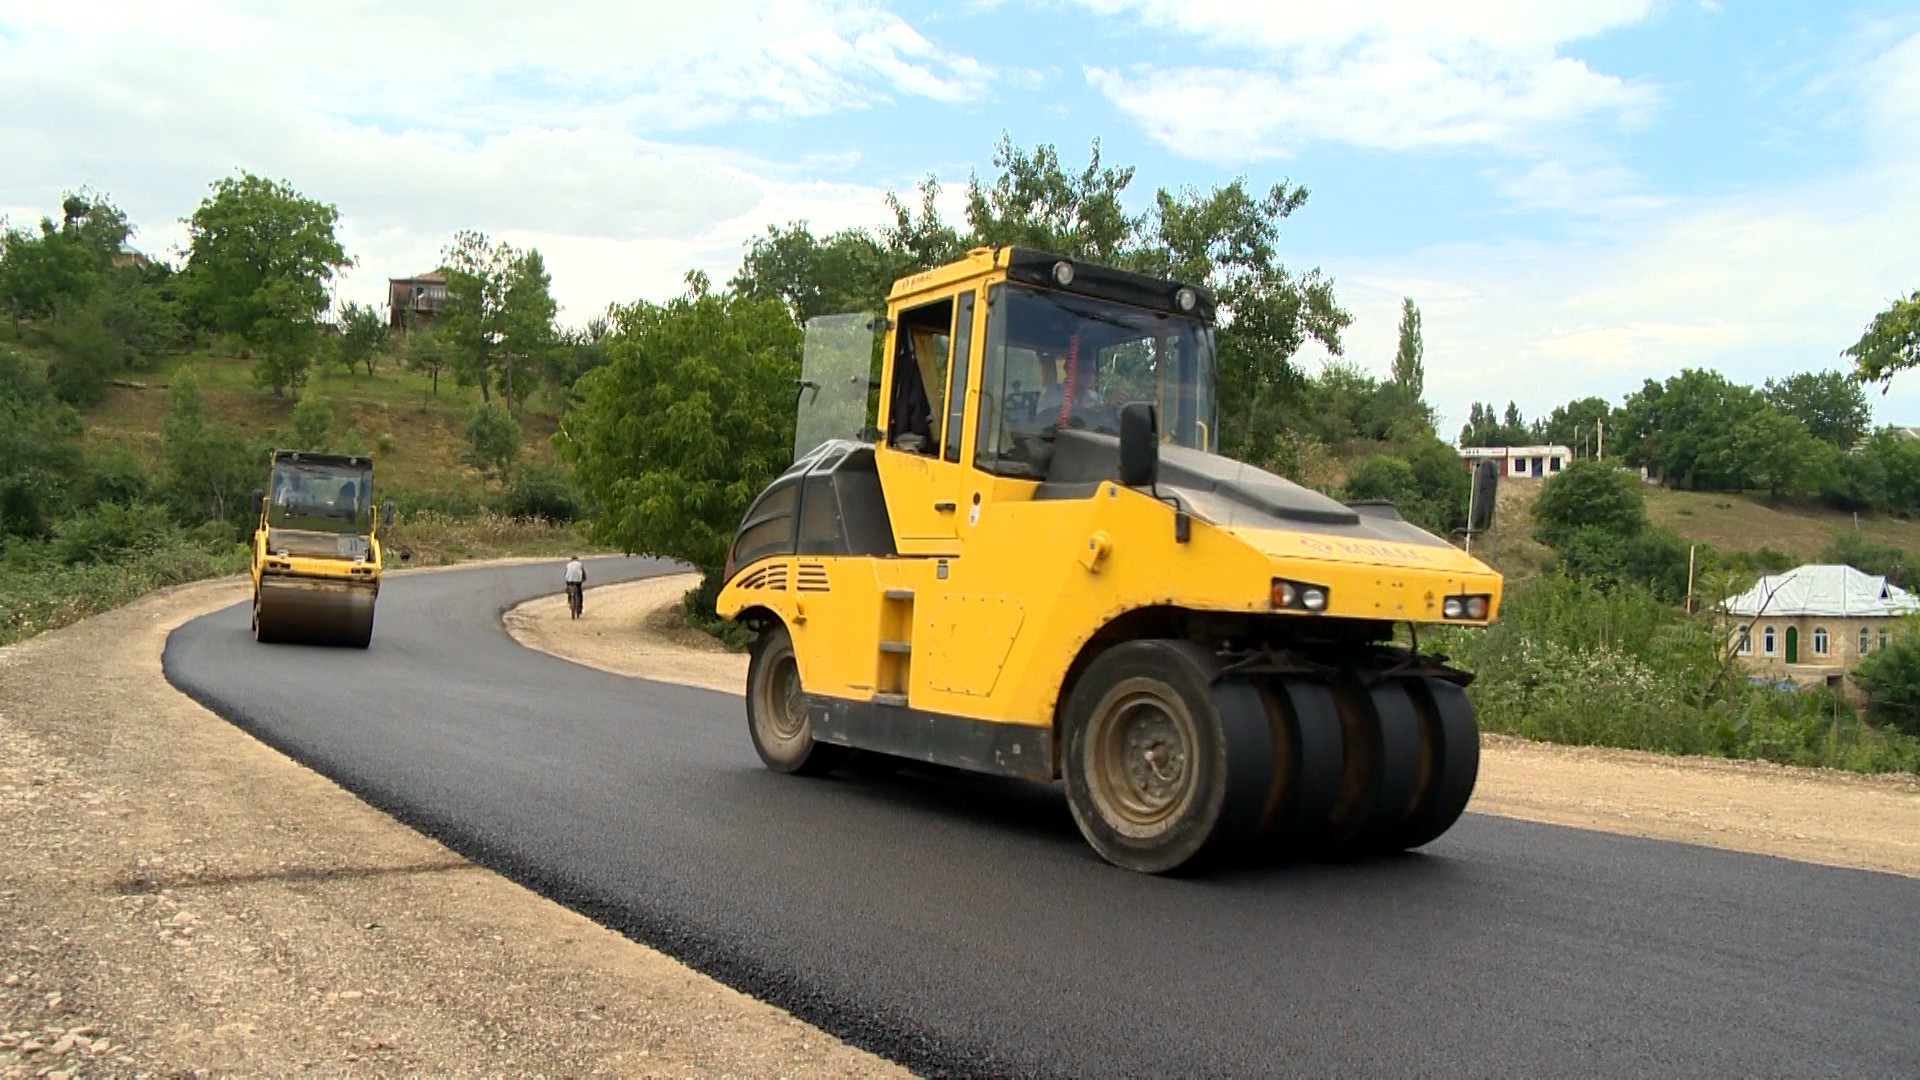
[312, 423]
[1681, 427]
[1589, 494]
[1891, 678]
[37, 272]
[688, 421]
[363, 336]
[1766, 449]
[1576, 424]
[1832, 405]
[426, 353]
[1891, 343]
[1035, 203]
[37, 460]
[210, 467]
[498, 320]
[1409, 365]
[260, 257]
[493, 440]
[1849, 548]
[847, 271]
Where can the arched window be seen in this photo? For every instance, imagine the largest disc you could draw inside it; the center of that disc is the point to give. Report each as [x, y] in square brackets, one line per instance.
[1746, 639]
[1885, 639]
[1866, 640]
[1766, 641]
[1819, 641]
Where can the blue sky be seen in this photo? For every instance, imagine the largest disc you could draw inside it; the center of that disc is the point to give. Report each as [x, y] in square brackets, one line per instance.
[1578, 195]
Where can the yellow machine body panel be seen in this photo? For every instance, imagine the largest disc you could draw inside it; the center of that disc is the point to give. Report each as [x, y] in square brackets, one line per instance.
[1008, 588]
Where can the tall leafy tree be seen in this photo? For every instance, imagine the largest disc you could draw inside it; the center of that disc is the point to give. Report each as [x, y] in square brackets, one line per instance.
[689, 419]
[1831, 404]
[209, 466]
[1409, 363]
[260, 259]
[363, 336]
[498, 320]
[1890, 344]
[1576, 424]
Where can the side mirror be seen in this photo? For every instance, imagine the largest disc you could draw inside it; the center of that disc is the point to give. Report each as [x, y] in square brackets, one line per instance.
[1139, 445]
[259, 500]
[386, 512]
[1486, 485]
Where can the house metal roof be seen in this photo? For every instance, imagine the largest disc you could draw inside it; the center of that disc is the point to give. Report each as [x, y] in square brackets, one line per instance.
[1828, 590]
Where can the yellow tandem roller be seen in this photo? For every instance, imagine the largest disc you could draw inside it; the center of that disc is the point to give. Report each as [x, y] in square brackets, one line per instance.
[316, 551]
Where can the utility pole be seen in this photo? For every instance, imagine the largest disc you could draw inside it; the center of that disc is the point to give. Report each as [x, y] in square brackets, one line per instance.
[1691, 548]
[1600, 426]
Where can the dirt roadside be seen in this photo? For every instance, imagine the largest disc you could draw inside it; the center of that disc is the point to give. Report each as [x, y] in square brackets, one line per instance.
[1812, 815]
[176, 899]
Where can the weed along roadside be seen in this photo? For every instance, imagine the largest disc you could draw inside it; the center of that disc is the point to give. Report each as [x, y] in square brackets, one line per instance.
[1825, 816]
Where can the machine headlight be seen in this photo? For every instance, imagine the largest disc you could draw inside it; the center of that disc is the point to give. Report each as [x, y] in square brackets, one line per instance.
[1063, 273]
[1186, 299]
[1473, 607]
[1295, 596]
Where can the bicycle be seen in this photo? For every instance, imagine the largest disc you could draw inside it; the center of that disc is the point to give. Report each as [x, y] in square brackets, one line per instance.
[575, 598]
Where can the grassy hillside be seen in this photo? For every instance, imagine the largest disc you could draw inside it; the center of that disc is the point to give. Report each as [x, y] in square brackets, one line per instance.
[1728, 522]
[413, 433]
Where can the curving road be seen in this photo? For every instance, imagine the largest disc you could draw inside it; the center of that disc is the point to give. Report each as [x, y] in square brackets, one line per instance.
[960, 926]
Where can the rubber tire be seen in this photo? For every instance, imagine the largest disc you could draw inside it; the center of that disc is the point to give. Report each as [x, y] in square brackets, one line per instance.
[1233, 756]
[1454, 765]
[1310, 747]
[1392, 766]
[804, 757]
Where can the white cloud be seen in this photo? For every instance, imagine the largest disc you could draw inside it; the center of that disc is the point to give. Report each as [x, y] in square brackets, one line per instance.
[558, 125]
[1379, 74]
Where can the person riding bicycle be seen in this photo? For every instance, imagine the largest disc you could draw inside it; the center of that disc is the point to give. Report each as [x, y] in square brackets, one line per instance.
[576, 585]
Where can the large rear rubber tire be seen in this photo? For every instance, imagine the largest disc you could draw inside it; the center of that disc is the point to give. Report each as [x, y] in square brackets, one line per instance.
[1450, 762]
[777, 716]
[1165, 768]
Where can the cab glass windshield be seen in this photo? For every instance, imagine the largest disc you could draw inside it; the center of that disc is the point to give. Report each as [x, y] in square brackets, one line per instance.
[1056, 360]
[321, 498]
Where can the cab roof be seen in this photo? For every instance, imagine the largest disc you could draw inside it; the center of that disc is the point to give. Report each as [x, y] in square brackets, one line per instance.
[1033, 267]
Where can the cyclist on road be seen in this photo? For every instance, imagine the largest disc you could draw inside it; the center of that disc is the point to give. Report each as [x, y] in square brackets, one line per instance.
[576, 585]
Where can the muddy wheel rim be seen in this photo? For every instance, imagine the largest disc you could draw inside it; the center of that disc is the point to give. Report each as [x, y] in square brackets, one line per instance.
[783, 712]
[1142, 766]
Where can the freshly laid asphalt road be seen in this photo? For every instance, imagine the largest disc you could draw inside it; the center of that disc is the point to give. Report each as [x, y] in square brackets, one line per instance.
[961, 926]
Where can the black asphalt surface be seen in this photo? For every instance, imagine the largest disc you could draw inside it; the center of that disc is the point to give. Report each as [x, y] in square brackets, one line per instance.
[961, 927]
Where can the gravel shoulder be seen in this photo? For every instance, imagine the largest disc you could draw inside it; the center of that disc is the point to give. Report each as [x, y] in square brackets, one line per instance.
[1820, 816]
[176, 899]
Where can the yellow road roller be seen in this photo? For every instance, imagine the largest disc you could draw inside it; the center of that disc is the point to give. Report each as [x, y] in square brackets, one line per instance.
[316, 551]
[1033, 561]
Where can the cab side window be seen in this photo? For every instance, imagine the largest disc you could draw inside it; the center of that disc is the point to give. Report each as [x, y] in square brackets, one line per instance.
[921, 355]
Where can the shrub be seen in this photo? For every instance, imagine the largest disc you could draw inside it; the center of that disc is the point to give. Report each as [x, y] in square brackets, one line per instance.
[1589, 494]
[111, 532]
[493, 440]
[114, 475]
[312, 423]
[543, 492]
[1891, 678]
[1852, 549]
[384, 444]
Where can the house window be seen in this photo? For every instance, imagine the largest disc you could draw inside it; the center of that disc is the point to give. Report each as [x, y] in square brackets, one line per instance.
[1819, 641]
[1554, 464]
[1866, 640]
[1746, 639]
[1766, 641]
[1885, 639]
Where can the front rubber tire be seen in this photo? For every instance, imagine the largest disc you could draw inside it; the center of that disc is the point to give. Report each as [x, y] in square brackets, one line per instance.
[777, 717]
[1164, 768]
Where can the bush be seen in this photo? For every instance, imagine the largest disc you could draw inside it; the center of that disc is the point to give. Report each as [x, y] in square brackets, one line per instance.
[384, 444]
[1891, 678]
[114, 475]
[493, 440]
[111, 532]
[312, 422]
[1852, 549]
[37, 594]
[542, 492]
[1571, 662]
[1653, 559]
[1589, 494]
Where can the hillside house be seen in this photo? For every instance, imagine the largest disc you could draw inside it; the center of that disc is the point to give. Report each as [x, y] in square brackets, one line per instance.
[1812, 624]
[421, 296]
[1520, 462]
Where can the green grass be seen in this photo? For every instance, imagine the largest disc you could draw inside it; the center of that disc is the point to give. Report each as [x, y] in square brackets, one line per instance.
[393, 407]
[1728, 522]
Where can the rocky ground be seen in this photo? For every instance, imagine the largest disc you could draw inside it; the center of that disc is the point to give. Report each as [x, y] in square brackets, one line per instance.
[1814, 815]
[178, 900]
